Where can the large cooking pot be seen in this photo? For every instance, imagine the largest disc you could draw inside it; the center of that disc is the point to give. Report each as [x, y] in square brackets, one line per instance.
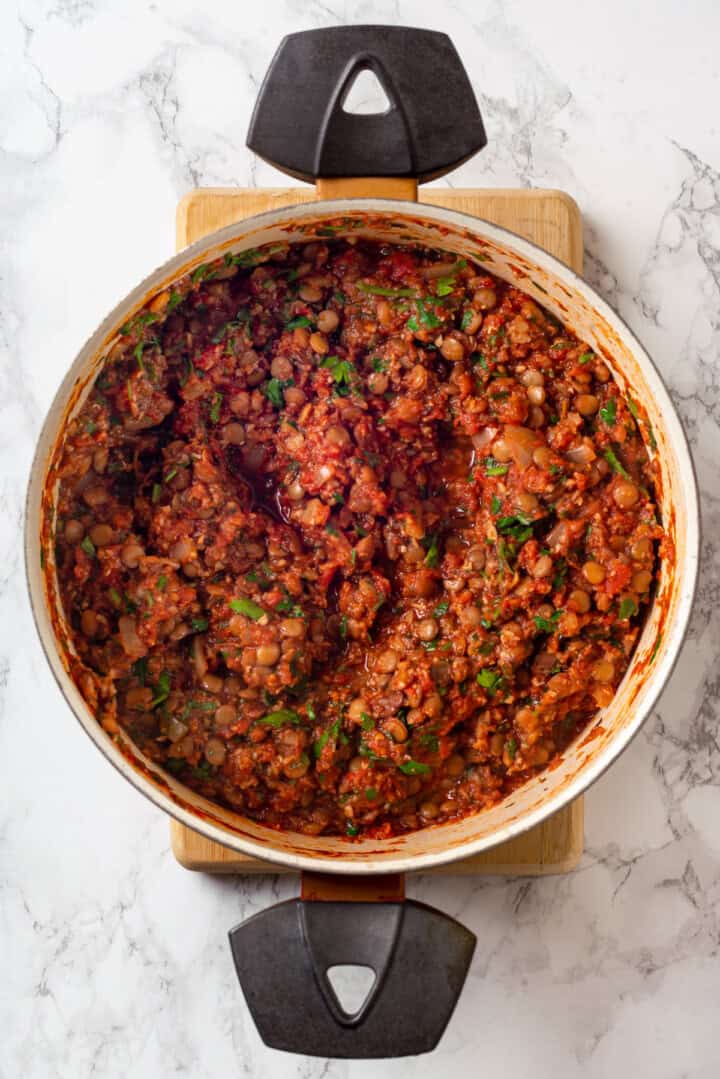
[420, 956]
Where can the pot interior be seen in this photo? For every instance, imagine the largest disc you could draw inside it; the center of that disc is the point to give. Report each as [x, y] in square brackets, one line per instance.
[566, 296]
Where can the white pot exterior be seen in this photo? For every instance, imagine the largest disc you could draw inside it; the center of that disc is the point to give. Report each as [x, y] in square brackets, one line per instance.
[573, 302]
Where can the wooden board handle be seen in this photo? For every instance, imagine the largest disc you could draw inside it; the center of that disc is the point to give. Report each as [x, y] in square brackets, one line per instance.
[368, 187]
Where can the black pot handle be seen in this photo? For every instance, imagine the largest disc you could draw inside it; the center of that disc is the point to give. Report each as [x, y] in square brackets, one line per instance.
[300, 126]
[420, 958]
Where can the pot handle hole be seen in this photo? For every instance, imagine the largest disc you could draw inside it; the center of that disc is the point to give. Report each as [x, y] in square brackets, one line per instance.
[298, 961]
[431, 125]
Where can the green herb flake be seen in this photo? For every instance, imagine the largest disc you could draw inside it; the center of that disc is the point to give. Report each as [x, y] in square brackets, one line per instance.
[628, 607]
[560, 574]
[245, 606]
[651, 435]
[279, 718]
[511, 748]
[656, 648]
[368, 723]
[612, 459]
[494, 468]
[518, 527]
[140, 670]
[427, 318]
[351, 829]
[203, 272]
[608, 412]
[162, 689]
[115, 598]
[495, 504]
[198, 625]
[586, 357]
[88, 547]
[215, 407]
[489, 680]
[371, 793]
[329, 732]
[548, 625]
[414, 768]
[273, 390]
[344, 627]
[296, 323]
[162, 582]
[441, 609]
[175, 299]
[343, 373]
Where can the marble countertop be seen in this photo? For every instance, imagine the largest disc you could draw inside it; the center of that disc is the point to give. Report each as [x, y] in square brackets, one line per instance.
[115, 960]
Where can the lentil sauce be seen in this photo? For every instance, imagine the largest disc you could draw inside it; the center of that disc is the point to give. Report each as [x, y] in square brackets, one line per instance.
[353, 538]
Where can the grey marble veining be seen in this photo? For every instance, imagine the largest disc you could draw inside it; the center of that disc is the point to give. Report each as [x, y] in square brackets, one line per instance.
[115, 960]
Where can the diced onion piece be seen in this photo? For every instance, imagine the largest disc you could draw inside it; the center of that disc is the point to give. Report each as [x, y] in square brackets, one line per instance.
[483, 438]
[129, 637]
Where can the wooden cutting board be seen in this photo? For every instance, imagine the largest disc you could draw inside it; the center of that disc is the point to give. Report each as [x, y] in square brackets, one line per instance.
[550, 219]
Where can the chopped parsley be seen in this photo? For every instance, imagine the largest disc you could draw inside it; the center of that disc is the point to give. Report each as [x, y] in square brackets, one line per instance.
[247, 607]
[548, 625]
[296, 323]
[343, 373]
[414, 768]
[139, 669]
[198, 624]
[494, 468]
[330, 732]
[427, 318]
[612, 459]
[495, 504]
[433, 553]
[608, 412]
[88, 547]
[162, 690]
[489, 680]
[586, 357]
[273, 390]
[203, 272]
[215, 407]
[628, 607]
[441, 609]
[287, 606]
[279, 718]
[518, 527]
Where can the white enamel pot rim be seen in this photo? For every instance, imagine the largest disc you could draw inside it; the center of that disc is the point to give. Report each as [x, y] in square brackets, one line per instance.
[574, 302]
